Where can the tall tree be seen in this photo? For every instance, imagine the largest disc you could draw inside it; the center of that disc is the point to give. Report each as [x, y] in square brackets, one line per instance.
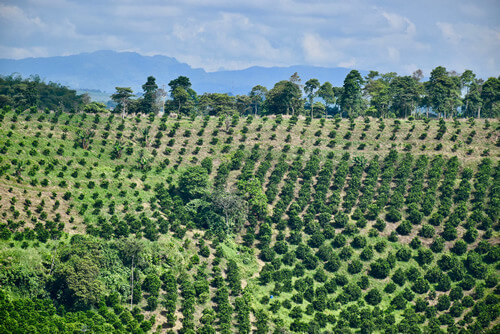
[131, 249]
[467, 79]
[377, 91]
[311, 89]
[181, 81]
[417, 75]
[180, 97]
[257, 96]
[490, 94]
[473, 100]
[295, 78]
[149, 99]
[405, 95]
[284, 97]
[233, 208]
[193, 182]
[122, 97]
[351, 100]
[327, 94]
[217, 104]
[183, 96]
[443, 91]
[243, 104]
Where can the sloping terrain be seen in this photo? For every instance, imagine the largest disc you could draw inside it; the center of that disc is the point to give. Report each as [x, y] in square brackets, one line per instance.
[129, 225]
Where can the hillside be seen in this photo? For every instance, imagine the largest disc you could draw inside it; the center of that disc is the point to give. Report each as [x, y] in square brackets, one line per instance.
[363, 225]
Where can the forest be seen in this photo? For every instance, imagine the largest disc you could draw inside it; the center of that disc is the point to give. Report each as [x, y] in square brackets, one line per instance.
[303, 209]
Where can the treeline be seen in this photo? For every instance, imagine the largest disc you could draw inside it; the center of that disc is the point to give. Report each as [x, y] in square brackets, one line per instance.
[445, 94]
[33, 92]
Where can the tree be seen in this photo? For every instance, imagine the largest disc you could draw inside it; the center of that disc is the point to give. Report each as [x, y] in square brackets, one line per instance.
[405, 95]
[243, 104]
[180, 82]
[421, 285]
[216, 104]
[149, 98]
[117, 150]
[473, 100]
[131, 250]
[327, 94]
[84, 137]
[152, 284]
[443, 91]
[490, 94]
[257, 96]
[475, 265]
[94, 108]
[180, 97]
[183, 97]
[311, 90]
[354, 267]
[284, 97]
[467, 80]
[351, 100]
[424, 256]
[404, 228]
[378, 93]
[193, 182]
[80, 276]
[443, 303]
[233, 207]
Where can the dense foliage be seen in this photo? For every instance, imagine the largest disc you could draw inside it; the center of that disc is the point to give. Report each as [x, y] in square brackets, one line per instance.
[258, 224]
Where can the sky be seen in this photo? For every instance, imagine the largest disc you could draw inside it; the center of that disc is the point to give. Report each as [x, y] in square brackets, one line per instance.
[382, 35]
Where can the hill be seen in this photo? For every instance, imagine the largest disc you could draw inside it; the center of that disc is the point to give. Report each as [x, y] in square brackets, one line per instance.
[127, 225]
[104, 70]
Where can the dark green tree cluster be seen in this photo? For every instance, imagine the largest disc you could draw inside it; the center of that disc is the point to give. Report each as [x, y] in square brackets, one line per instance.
[22, 93]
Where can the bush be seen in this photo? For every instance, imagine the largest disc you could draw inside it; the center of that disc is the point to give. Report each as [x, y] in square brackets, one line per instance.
[380, 268]
[427, 231]
[354, 267]
[443, 303]
[152, 303]
[399, 277]
[404, 228]
[424, 256]
[460, 247]
[420, 286]
[373, 297]
[403, 254]
[393, 215]
[390, 287]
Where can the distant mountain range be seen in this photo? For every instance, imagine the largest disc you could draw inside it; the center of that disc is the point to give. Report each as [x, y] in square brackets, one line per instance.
[104, 70]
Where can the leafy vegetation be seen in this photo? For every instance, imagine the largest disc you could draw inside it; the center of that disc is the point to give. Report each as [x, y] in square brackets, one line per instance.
[128, 222]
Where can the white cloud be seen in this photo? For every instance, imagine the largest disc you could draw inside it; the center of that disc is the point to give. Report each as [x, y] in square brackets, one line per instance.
[20, 53]
[400, 23]
[13, 18]
[322, 52]
[379, 35]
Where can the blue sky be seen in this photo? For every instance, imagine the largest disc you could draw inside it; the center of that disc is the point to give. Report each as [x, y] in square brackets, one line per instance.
[382, 35]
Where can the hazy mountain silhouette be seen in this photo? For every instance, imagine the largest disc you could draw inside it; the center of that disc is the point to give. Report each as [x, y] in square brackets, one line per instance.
[104, 70]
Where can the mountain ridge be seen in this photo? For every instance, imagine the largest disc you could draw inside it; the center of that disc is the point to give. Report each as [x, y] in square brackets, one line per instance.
[104, 70]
